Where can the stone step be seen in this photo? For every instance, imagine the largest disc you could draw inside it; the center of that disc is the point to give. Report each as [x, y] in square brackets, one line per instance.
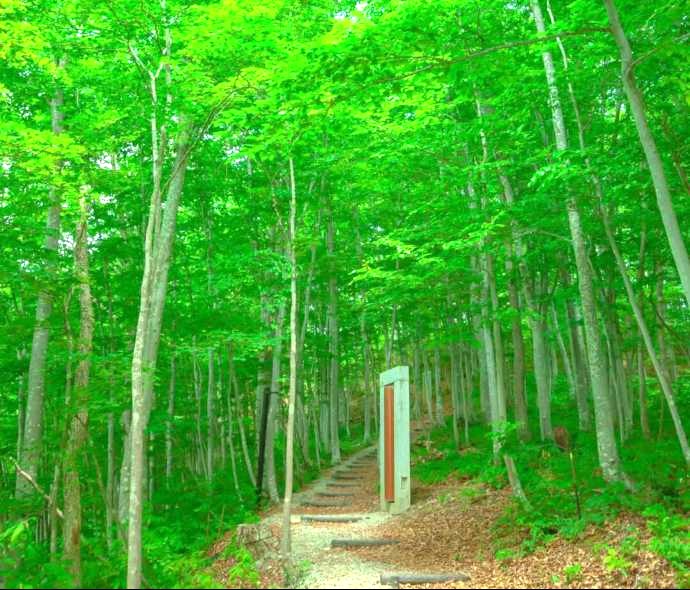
[417, 579]
[325, 504]
[363, 542]
[335, 494]
[329, 518]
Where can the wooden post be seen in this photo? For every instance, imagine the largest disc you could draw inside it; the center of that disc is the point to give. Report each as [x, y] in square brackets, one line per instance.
[394, 440]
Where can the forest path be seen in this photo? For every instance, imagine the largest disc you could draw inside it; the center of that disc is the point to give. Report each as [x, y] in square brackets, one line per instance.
[349, 490]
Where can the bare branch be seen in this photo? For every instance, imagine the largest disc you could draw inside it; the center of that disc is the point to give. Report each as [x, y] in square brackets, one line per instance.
[38, 488]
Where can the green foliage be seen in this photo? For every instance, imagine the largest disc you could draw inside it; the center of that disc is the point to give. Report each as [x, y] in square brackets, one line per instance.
[671, 536]
[572, 572]
[26, 564]
[406, 123]
[616, 561]
[244, 568]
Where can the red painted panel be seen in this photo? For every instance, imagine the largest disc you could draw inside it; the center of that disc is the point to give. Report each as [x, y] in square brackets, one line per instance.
[389, 442]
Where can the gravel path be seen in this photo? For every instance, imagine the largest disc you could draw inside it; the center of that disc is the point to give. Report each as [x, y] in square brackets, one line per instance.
[311, 541]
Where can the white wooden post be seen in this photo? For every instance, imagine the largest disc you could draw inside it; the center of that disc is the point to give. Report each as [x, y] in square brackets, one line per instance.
[398, 498]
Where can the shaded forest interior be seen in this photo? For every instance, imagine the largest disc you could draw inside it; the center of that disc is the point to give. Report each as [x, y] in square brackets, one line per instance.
[223, 218]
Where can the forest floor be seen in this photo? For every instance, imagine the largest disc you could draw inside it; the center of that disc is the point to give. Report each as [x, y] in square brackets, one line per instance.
[454, 527]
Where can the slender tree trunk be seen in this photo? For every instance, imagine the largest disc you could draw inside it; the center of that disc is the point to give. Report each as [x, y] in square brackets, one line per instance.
[286, 546]
[427, 389]
[498, 343]
[317, 440]
[301, 400]
[169, 421]
[580, 368]
[606, 441]
[541, 370]
[233, 385]
[489, 353]
[646, 336]
[20, 408]
[210, 417]
[437, 386]
[656, 166]
[160, 235]
[231, 427]
[369, 397]
[417, 382]
[270, 462]
[516, 249]
[110, 517]
[454, 391]
[125, 474]
[642, 394]
[200, 464]
[51, 517]
[262, 374]
[539, 358]
[79, 413]
[565, 354]
[33, 421]
[333, 344]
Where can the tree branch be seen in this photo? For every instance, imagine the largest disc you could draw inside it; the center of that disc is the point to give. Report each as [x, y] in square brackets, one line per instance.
[38, 488]
[439, 63]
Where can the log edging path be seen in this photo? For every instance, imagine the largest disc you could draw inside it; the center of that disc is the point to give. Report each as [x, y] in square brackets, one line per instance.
[335, 514]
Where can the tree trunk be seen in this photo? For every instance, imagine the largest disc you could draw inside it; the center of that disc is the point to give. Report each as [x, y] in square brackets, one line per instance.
[33, 421]
[541, 371]
[233, 385]
[231, 427]
[125, 474]
[286, 547]
[20, 408]
[579, 367]
[427, 389]
[169, 421]
[656, 166]
[498, 343]
[515, 248]
[642, 394]
[438, 392]
[210, 417]
[606, 441]
[160, 235]
[417, 383]
[646, 336]
[333, 344]
[200, 464]
[489, 354]
[565, 354]
[454, 391]
[79, 413]
[270, 461]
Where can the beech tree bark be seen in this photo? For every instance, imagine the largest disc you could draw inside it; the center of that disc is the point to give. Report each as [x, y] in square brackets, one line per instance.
[79, 412]
[660, 370]
[606, 441]
[651, 152]
[333, 344]
[33, 420]
[286, 545]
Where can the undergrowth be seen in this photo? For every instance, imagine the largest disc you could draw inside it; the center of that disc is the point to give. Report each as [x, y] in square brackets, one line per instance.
[180, 524]
[661, 497]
